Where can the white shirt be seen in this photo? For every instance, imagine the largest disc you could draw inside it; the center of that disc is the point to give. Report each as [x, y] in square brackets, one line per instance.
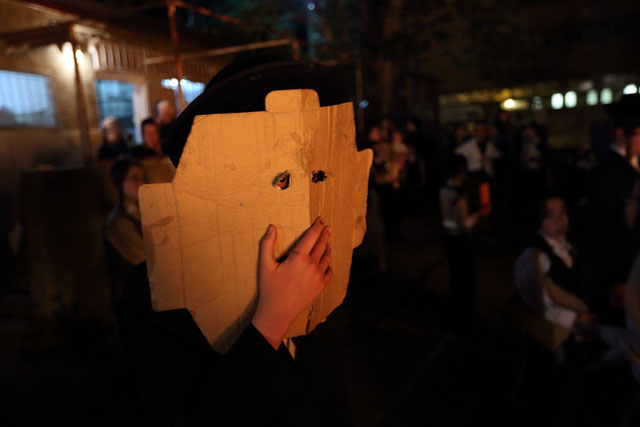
[476, 160]
[554, 313]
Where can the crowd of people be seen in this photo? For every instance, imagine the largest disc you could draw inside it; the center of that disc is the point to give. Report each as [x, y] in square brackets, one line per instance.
[576, 284]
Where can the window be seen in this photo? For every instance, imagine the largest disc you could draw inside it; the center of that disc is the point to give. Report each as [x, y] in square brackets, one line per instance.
[115, 98]
[190, 90]
[557, 101]
[629, 89]
[25, 100]
[536, 103]
[606, 96]
[570, 99]
[592, 97]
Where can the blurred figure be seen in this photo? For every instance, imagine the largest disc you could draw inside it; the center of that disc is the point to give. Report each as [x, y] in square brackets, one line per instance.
[123, 228]
[532, 182]
[458, 223]
[479, 151]
[374, 136]
[165, 118]
[389, 175]
[610, 202]
[113, 142]
[548, 284]
[10, 241]
[387, 127]
[625, 342]
[151, 143]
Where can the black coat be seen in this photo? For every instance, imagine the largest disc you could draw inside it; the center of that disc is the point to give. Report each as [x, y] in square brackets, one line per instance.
[610, 185]
[183, 381]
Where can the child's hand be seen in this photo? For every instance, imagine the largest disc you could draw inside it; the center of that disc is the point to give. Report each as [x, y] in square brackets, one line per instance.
[286, 289]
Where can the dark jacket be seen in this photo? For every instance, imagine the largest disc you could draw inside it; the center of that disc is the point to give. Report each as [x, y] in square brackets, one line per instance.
[561, 275]
[610, 185]
[183, 382]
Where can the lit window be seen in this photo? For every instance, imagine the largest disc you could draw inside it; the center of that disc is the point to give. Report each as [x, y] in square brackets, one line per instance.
[115, 99]
[606, 96]
[592, 97]
[629, 89]
[190, 90]
[536, 103]
[570, 99]
[25, 100]
[557, 101]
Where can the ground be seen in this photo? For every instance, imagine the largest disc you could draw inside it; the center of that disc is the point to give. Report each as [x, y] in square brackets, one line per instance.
[398, 360]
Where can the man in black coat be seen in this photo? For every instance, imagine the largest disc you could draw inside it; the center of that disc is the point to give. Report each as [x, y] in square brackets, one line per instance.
[610, 189]
[181, 379]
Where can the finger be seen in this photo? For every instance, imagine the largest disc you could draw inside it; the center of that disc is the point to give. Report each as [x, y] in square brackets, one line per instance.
[328, 275]
[326, 259]
[310, 238]
[321, 245]
[267, 258]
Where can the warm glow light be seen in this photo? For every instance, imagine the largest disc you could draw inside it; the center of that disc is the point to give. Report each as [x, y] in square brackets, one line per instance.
[67, 53]
[509, 104]
[629, 89]
[79, 55]
[515, 104]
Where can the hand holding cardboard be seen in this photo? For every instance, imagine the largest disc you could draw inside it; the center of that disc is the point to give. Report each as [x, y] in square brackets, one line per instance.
[286, 289]
[238, 173]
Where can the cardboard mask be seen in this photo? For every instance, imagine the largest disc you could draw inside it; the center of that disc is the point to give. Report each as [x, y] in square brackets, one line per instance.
[239, 173]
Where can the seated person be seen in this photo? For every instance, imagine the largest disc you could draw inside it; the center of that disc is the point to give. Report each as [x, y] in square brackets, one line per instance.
[151, 144]
[546, 276]
[123, 230]
[624, 342]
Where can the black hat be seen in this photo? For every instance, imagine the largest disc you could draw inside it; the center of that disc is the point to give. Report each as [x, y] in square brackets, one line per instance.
[242, 87]
[626, 112]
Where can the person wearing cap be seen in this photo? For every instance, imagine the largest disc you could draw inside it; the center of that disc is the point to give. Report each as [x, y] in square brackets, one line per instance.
[181, 379]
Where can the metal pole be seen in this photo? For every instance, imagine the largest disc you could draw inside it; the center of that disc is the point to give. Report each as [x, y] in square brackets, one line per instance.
[81, 105]
[171, 11]
[222, 51]
[295, 44]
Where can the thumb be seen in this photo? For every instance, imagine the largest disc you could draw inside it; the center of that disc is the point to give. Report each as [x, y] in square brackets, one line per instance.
[267, 249]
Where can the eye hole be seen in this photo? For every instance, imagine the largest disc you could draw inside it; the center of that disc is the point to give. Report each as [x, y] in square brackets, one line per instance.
[319, 176]
[282, 180]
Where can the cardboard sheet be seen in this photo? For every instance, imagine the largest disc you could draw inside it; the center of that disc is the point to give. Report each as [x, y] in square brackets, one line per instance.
[202, 231]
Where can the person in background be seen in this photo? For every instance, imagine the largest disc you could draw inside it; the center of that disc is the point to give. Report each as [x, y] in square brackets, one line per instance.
[165, 119]
[458, 223]
[546, 273]
[532, 182]
[151, 143]
[610, 202]
[123, 228]
[479, 151]
[113, 142]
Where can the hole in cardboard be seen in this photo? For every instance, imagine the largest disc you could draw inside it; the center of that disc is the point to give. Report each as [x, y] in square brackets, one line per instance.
[282, 180]
[319, 176]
